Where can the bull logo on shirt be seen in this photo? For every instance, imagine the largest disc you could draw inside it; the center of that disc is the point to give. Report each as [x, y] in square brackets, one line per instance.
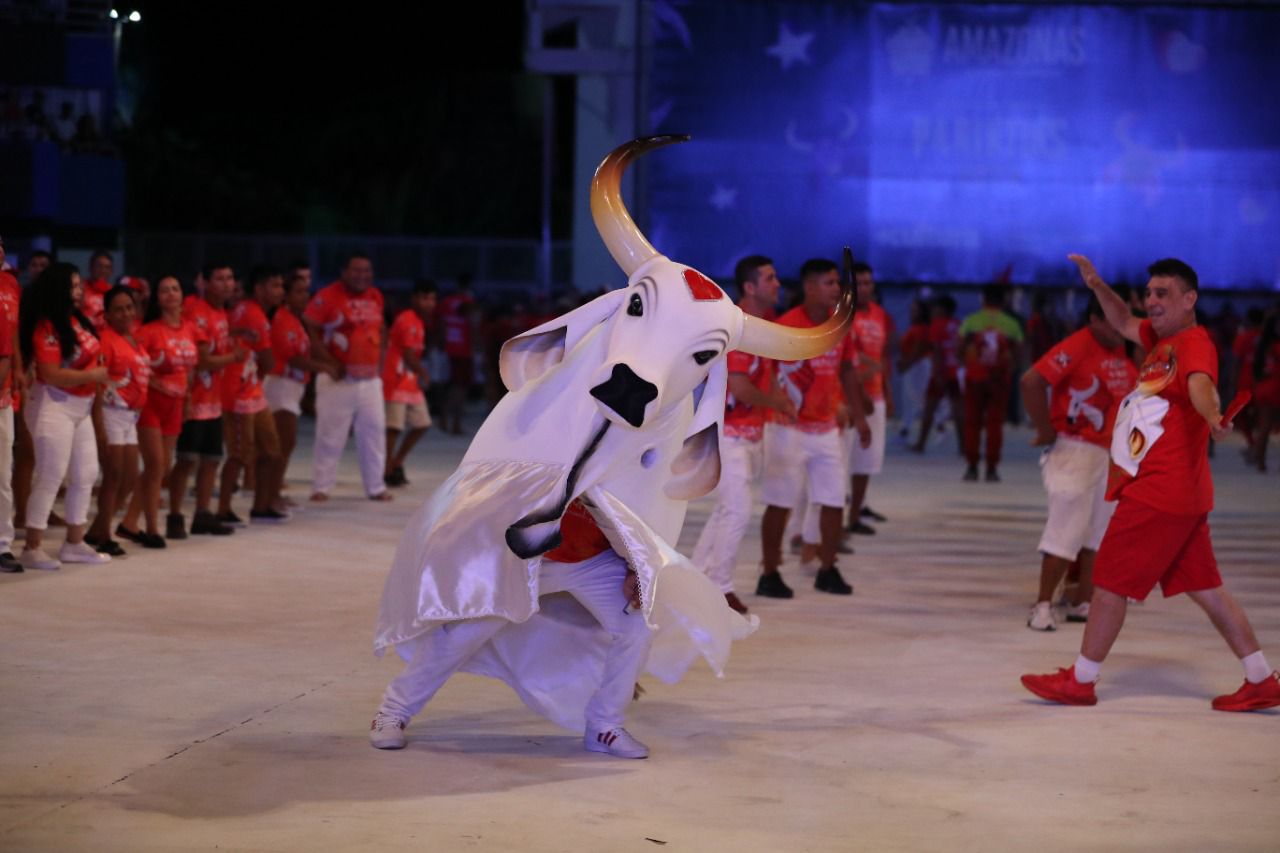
[796, 378]
[1078, 405]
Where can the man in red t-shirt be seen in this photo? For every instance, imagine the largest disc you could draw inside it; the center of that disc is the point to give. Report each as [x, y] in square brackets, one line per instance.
[872, 338]
[404, 380]
[456, 311]
[101, 269]
[807, 447]
[1071, 394]
[944, 379]
[1161, 478]
[752, 391]
[992, 340]
[346, 325]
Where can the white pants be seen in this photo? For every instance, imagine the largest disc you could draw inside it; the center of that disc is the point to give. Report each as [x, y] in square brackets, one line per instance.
[792, 457]
[597, 585]
[121, 425]
[284, 394]
[867, 460]
[6, 479]
[65, 447]
[1075, 480]
[717, 550]
[915, 384]
[338, 404]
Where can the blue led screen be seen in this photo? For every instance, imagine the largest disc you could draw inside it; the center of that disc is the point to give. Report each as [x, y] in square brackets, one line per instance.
[968, 143]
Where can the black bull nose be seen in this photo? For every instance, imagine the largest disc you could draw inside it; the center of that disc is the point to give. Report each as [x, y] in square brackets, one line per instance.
[626, 393]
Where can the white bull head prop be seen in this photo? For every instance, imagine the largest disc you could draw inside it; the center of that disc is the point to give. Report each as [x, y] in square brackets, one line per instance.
[627, 392]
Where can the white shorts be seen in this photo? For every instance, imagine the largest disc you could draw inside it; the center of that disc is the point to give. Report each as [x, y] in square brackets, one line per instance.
[1075, 478]
[415, 413]
[791, 456]
[283, 394]
[121, 425]
[868, 460]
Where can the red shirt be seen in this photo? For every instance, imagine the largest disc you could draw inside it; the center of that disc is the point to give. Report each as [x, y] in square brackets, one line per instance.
[10, 297]
[871, 338]
[1160, 448]
[743, 420]
[242, 383]
[173, 355]
[211, 328]
[351, 327]
[989, 335]
[92, 305]
[289, 339]
[129, 367]
[915, 342]
[814, 384]
[580, 537]
[406, 341]
[456, 310]
[1244, 347]
[1087, 382]
[48, 350]
[944, 335]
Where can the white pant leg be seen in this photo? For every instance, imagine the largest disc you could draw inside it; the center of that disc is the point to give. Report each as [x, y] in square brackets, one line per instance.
[82, 472]
[717, 550]
[371, 435]
[6, 479]
[597, 585]
[436, 658]
[811, 528]
[54, 420]
[335, 410]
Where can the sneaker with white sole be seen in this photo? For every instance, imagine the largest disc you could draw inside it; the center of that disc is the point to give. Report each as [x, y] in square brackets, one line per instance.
[81, 552]
[617, 742]
[38, 558]
[1041, 618]
[387, 731]
[1078, 612]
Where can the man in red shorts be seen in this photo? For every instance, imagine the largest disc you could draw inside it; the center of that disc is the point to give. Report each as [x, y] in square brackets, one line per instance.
[1161, 479]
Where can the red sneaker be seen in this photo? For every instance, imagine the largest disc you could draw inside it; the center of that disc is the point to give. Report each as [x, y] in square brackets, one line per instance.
[1251, 697]
[1061, 687]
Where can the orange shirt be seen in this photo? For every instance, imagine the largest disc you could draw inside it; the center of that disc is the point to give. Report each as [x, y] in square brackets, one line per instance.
[456, 310]
[1088, 382]
[944, 337]
[289, 339]
[173, 355]
[814, 384]
[406, 341]
[743, 420]
[48, 350]
[92, 305]
[580, 537]
[242, 383]
[211, 328]
[351, 327]
[871, 338]
[129, 368]
[10, 297]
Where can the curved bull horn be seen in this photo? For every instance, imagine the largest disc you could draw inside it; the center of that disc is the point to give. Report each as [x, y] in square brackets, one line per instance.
[787, 343]
[620, 234]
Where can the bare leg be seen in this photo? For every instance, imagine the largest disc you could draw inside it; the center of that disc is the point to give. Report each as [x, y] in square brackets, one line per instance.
[858, 486]
[178, 480]
[392, 435]
[230, 477]
[108, 492]
[830, 525]
[772, 527]
[1228, 617]
[1084, 587]
[151, 446]
[206, 474]
[1106, 617]
[1051, 571]
[411, 438]
[24, 468]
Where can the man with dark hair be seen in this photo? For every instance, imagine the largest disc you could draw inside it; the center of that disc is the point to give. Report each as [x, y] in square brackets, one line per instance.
[944, 378]
[1071, 394]
[346, 325]
[1160, 476]
[991, 341]
[38, 260]
[808, 445]
[872, 338]
[459, 347]
[404, 379]
[101, 271]
[752, 391]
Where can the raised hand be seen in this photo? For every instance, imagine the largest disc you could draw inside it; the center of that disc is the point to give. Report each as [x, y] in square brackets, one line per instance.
[1087, 270]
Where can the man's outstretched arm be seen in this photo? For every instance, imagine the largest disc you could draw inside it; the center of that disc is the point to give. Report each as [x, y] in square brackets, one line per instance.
[1115, 308]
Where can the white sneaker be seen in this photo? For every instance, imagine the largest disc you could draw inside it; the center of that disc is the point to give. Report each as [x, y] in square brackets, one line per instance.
[37, 558]
[1078, 612]
[81, 552]
[617, 742]
[387, 732]
[1041, 618]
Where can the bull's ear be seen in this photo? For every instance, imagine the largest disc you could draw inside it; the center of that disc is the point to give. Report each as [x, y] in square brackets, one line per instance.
[696, 469]
[527, 356]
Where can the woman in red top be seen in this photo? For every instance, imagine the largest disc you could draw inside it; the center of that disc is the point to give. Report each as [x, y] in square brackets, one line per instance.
[287, 381]
[170, 341]
[129, 369]
[59, 340]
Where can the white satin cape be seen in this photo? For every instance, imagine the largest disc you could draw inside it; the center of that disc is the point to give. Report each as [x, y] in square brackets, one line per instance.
[453, 563]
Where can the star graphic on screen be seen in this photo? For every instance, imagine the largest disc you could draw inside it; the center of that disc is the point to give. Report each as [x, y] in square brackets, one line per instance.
[791, 47]
[724, 198]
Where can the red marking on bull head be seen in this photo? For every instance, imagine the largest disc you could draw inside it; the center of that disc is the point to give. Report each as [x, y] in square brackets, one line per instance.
[702, 288]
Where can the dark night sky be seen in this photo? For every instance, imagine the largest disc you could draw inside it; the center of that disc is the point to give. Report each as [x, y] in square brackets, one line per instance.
[368, 122]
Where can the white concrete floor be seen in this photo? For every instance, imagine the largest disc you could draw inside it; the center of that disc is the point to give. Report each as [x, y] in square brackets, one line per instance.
[217, 696]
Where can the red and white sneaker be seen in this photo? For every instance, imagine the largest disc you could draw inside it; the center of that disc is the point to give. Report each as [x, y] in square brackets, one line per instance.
[617, 742]
[1252, 697]
[387, 732]
[1061, 687]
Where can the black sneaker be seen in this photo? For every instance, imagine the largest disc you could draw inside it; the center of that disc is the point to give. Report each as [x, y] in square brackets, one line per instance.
[230, 519]
[110, 547]
[861, 528]
[175, 526]
[992, 476]
[971, 474]
[269, 516]
[206, 523]
[151, 540]
[771, 585]
[868, 512]
[829, 580]
[129, 535]
[9, 564]
[396, 477]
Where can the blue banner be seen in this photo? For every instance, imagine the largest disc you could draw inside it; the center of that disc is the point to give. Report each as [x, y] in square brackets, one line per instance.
[968, 143]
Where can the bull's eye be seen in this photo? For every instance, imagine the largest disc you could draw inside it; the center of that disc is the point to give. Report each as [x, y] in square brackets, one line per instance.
[703, 356]
[635, 308]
